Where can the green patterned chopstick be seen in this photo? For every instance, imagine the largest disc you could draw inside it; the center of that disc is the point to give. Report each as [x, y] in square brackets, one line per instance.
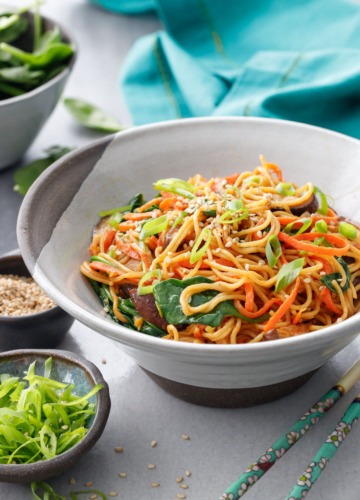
[256, 470]
[326, 452]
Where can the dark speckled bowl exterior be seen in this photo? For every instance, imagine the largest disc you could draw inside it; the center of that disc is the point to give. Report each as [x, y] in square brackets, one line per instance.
[43, 330]
[60, 210]
[75, 369]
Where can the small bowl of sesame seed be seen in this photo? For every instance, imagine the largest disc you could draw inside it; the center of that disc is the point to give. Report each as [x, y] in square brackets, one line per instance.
[28, 317]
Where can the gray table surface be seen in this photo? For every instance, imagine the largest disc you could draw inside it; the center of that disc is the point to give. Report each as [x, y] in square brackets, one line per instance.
[222, 442]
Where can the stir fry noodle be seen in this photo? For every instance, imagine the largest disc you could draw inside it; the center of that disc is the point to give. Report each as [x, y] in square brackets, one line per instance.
[246, 258]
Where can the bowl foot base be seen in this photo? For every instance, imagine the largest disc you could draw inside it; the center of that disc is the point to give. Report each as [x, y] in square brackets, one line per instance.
[229, 398]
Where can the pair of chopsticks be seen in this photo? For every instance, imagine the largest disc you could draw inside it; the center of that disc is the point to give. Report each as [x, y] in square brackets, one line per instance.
[312, 472]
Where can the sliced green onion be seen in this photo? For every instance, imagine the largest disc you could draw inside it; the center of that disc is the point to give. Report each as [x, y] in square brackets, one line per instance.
[106, 213]
[324, 206]
[306, 223]
[41, 418]
[273, 250]
[285, 189]
[196, 252]
[288, 273]
[179, 219]
[347, 230]
[209, 213]
[115, 219]
[144, 290]
[321, 226]
[154, 226]
[234, 205]
[224, 219]
[177, 186]
[254, 179]
[47, 492]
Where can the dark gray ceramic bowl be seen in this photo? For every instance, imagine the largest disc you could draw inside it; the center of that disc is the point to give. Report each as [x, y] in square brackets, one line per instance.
[74, 369]
[41, 330]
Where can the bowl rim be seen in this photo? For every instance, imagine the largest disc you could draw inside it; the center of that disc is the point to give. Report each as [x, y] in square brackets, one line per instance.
[127, 337]
[101, 415]
[15, 254]
[56, 78]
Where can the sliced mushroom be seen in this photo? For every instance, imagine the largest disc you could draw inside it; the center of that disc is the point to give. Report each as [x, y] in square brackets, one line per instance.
[146, 307]
[310, 206]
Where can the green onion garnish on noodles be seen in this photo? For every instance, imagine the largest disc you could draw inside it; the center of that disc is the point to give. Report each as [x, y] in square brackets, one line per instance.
[253, 179]
[236, 211]
[40, 417]
[154, 226]
[288, 273]
[176, 186]
[203, 239]
[347, 230]
[273, 250]
[324, 206]
[285, 189]
[179, 219]
[144, 290]
[106, 213]
[321, 226]
[115, 219]
[306, 223]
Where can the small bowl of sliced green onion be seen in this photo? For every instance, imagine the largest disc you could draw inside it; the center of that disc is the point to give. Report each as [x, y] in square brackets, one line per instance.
[54, 406]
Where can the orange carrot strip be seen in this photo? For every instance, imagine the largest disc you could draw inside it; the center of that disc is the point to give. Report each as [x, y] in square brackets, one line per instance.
[127, 249]
[326, 265]
[125, 226]
[284, 221]
[326, 298]
[275, 169]
[258, 313]
[109, 238]
[249, 297]
[298, 242]
[145, 215]
[285, 306]
[148, 204]
[104, 268]
[146, 259]
[167, 203]
[297, 317]
[186, 263]
[231, 179]
[152, 242]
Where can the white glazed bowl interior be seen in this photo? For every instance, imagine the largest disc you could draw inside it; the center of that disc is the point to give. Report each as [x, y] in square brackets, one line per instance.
[71, 193]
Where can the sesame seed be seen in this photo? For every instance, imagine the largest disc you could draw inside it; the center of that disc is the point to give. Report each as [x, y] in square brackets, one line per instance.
[322, 273]
[339, 320]
[187, 473]
[185, 437]
[307, 280]
[184, 486]
[106, 309]
[93, 497]
[155, 485]
[123, 474]
[181, 496]
[113, 494]
[228, 244]
[89, 483]
[259, 234]
[191, 243]
[179, 479]
[153, 444]
[103, 361]
[261, 262]
[151, 466]
[64, 427]
[247, 267]
[119, 449]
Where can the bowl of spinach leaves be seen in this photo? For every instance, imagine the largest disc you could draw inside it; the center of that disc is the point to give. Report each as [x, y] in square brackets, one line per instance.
[36, 58]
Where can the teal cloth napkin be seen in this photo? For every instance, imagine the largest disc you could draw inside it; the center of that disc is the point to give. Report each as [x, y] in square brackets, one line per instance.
[297, 60]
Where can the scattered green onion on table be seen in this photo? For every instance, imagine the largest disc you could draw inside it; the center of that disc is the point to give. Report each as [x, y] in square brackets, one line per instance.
[257, 469]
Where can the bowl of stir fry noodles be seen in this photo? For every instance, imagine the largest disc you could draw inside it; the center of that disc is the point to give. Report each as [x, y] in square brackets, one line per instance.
[223, 258]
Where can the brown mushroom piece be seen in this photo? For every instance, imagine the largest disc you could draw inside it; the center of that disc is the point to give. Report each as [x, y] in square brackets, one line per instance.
[311, 206]
[146, 307]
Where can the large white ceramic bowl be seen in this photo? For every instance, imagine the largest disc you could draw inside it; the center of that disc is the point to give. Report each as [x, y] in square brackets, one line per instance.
[61, 208]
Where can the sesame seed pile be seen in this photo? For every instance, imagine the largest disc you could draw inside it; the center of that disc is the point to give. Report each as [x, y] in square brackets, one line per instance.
[20, 296]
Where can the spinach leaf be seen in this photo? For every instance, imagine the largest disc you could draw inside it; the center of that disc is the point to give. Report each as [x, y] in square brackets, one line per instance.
[11, 27]
[25, 176]
[326, 280]
[91, 116]
[167, 296]
[126, 307]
